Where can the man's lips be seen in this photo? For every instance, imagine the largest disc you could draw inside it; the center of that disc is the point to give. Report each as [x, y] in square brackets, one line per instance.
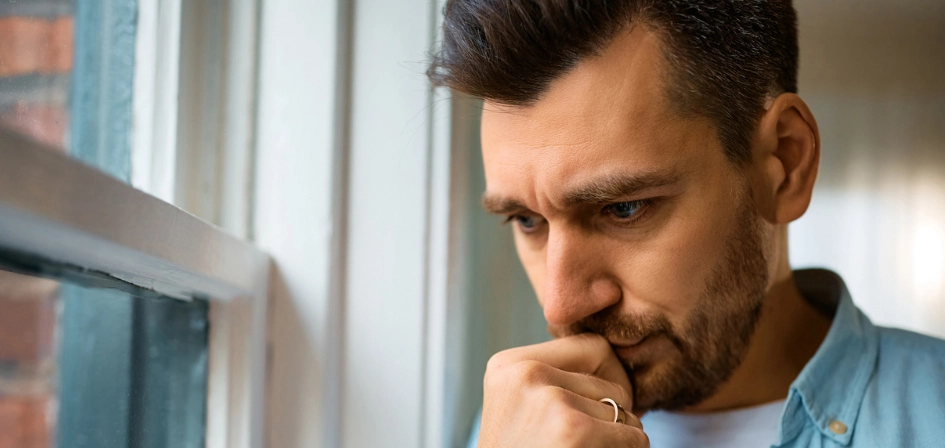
[627, 342]
[626, 349]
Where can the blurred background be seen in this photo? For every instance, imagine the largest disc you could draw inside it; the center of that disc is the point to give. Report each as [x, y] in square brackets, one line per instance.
[872, 71]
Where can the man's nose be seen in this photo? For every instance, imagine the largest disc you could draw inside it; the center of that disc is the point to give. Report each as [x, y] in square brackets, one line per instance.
[576, 281]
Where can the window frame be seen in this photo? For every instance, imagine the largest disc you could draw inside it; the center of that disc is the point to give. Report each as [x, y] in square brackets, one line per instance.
[291, 161]
[57, 208]
[349, 133]
[193, 145]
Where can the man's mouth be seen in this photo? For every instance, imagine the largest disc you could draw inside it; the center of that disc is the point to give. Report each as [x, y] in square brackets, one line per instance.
[627, 349]
[627, 342]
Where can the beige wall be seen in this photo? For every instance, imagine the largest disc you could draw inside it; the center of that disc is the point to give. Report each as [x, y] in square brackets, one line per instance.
[873, 73]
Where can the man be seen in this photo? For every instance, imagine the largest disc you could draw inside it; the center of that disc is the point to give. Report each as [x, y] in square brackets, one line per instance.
[649, 156]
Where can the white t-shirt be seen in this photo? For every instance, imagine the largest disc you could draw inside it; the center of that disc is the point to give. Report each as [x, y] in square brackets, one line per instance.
[753, 427]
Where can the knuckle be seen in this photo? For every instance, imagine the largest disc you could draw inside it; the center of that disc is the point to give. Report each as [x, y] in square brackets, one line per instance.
[571, 427]
[492, 379]
[499, 360]
[556, 398]
[504, 373]
[497, 369]
[639, 439]
[529, 373]
[612, 390]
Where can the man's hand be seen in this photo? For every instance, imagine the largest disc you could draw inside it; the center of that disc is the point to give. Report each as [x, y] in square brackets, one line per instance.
[546, 395]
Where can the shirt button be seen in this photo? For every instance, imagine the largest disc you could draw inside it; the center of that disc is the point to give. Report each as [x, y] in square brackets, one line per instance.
[838, 427]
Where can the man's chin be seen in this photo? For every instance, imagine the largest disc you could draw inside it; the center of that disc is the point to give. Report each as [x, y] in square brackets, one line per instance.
[647, 392]
[665, 385]
[649, 379]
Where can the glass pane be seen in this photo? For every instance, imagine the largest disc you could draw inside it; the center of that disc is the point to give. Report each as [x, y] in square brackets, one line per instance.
[28, 398]
[36, 61]
[67, 77]
[87, 361]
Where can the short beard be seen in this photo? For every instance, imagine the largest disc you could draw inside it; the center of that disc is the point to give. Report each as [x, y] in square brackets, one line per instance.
[716, 335]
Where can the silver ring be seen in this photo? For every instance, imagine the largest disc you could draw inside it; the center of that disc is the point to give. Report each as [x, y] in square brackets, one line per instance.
[617, 408]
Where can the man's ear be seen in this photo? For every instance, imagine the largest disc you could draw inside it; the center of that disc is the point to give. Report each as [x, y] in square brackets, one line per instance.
[788, 148]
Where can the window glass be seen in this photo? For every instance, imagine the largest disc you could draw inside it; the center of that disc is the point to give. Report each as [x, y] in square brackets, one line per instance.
[28, 400]
[36, 61]
[67, 77]
[87, 361]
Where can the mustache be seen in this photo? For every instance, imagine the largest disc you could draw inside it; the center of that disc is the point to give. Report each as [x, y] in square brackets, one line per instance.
[615, 326]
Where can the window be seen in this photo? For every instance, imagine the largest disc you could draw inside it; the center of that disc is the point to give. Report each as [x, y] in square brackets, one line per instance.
[159, 319]
[125, 320]
[110, 365]
[285, 128]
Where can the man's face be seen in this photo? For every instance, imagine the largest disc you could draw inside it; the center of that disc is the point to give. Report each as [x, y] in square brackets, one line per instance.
[631, 222]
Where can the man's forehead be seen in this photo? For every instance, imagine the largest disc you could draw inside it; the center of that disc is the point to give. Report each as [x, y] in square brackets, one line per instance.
[618, 91]
[609, 106]
[604, 127]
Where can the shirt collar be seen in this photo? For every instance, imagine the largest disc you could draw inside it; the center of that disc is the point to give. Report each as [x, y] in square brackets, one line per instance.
[832, 385]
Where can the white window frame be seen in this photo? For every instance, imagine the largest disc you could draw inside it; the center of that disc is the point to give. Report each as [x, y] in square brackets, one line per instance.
[318, 127]
[56, 208]
[353, 182]
[193, 105]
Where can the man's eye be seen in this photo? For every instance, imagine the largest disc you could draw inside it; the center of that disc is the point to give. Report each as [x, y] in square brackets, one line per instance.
[526, 223]
[626, 210]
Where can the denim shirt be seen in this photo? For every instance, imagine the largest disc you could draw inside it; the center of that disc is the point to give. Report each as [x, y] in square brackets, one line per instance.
[866, 386]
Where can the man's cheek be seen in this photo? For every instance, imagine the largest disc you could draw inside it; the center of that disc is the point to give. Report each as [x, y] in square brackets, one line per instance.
[533, 262]
[670, 273]
[657, 281]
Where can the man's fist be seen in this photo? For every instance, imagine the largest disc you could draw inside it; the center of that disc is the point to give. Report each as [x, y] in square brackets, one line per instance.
[547, 395]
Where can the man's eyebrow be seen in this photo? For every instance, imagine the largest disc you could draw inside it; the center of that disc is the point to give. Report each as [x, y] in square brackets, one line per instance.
[601, 190]
[500, 205]
[615, 186]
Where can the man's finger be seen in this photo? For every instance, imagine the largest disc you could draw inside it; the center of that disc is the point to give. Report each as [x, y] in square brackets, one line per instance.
[584, 353]
[593, 408]
[612, 434]
[592, 387]
[633, 420]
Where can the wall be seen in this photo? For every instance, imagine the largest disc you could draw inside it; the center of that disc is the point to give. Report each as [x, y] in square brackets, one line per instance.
[36, 58]
[872, 72]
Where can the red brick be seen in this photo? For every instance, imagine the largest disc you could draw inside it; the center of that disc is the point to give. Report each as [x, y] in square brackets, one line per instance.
[27, 318]
[26, 422]
[34, 45]
[44, 123]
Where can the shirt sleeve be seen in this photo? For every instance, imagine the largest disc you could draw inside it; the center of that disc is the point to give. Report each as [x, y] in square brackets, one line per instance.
[474, 432]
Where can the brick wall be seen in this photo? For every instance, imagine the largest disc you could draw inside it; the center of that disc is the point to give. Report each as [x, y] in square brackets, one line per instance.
[36, 55]
[36, 60]
[36, 51]
[25, 422]
[28, 316]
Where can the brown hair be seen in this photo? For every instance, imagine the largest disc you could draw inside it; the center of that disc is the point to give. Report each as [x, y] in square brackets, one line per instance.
[726, 57]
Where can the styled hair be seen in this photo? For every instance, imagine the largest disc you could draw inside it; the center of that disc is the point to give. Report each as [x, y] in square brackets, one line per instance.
[725, 57]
